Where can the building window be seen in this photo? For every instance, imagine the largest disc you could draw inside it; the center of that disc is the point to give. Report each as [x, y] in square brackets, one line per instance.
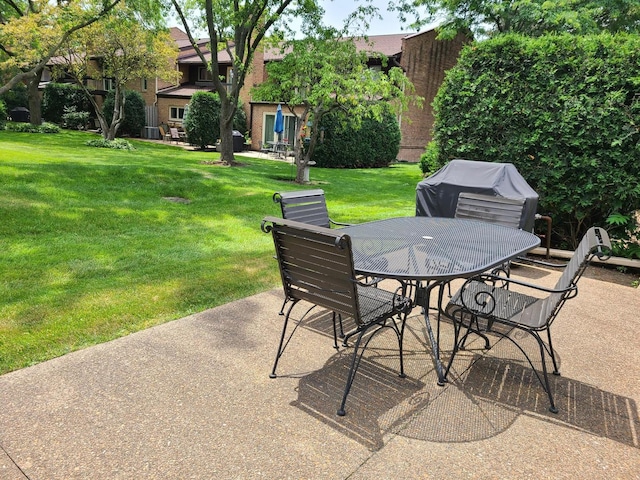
[204, 74]
[144, 84]
[289, 135]
[176, 113]
[108, 84]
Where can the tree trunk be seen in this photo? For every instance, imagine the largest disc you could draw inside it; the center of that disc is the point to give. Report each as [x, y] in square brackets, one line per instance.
[35, 100]
[226, 131]
[118, 114]
[305, 158]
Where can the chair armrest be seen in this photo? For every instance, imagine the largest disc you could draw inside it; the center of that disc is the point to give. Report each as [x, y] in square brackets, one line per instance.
[340, 223]
[542, 263]
[491, 278]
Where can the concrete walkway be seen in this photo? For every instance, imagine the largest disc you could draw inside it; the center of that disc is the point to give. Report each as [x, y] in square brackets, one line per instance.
[192, 399]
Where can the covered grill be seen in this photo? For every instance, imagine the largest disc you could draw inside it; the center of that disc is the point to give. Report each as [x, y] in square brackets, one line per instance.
[437, 195]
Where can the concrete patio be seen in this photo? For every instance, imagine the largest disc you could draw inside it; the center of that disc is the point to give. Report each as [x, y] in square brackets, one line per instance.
[192, 399]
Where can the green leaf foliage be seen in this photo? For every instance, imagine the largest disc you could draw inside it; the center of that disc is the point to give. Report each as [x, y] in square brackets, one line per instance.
[3, 114]
[134, 117]
[202, 123]
[16, 97]
[57, 96]
[565, 110]
[369, 143]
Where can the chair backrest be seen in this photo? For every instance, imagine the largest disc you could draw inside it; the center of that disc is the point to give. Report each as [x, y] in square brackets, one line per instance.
[306, 206]
[594, 243]
[316, 265]
[161, 130]
[174, 133]
[487, 208]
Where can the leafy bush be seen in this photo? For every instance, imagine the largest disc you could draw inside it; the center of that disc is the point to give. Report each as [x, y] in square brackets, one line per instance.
[202, 122]
[240, 120]
[134, 117]
[370, 143]
[29, 128]
[563, 109]
[16, 97]
[118, 144]
[75, 120]
[57, 96]
[3, 114]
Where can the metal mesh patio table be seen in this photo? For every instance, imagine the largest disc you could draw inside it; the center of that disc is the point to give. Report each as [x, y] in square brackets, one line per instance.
[429, 252]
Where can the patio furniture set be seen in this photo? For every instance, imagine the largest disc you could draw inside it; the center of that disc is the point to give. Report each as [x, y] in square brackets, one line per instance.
[340, 269]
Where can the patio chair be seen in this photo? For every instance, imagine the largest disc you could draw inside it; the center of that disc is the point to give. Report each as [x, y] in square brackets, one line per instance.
[316, 266]
[485, 300]
[175, 135]
[491, 209]
[163, 133]
[306, 206]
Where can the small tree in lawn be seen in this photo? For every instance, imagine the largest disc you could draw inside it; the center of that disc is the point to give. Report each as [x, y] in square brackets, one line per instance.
[125, 50]
[32, 32]
[202, 122]
[322, 73]
[238, 28]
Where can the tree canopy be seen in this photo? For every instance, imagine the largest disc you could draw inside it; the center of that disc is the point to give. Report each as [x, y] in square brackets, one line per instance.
[237, 27]
[121, 48]
[528, 17]
[322, 73]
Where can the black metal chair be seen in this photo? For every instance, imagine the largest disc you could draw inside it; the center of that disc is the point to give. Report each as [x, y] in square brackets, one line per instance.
[488, 208]
[306, 206]
[487, 298]
[316, 266]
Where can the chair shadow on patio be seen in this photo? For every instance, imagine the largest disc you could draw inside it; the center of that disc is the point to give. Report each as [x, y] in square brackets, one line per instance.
[581, 406]
[378, 401]
[485, 396]
[490, 392]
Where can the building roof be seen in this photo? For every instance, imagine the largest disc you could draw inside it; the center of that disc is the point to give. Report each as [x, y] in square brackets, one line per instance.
[186, 90]
[389, 45]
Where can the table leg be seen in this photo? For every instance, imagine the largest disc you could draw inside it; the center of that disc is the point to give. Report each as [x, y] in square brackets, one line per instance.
[423, 295]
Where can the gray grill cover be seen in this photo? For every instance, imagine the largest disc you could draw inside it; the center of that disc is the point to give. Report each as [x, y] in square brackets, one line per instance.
[437, 195]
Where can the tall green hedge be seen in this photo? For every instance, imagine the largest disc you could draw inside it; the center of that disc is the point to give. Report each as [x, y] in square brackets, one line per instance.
[134, 116]
[565, 110]
[202, 123]
[370, 143]
[3, 114]
[57, 96]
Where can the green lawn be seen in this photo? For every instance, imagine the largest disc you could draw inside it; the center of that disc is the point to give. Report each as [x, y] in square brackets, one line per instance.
[92, 250]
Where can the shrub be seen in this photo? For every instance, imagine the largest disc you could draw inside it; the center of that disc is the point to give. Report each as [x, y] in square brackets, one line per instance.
[134, 117]
[118, 144]
[240, 120]
[29, 128]
[16, 97]
[57, 96]
[75, 120]
[3, 114]
[202, 122]
[563, 109]
[371, 143]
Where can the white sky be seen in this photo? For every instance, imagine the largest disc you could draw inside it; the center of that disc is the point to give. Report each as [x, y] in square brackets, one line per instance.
[337, 10]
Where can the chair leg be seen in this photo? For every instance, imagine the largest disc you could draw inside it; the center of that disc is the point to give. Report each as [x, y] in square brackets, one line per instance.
[458, 343]
[335, 331]
[357, 356]
[282, 345]
[552, 354]
[546, 385]
[352, 373]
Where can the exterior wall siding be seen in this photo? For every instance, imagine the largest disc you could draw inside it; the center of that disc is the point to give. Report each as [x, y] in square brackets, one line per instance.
[425, 61]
